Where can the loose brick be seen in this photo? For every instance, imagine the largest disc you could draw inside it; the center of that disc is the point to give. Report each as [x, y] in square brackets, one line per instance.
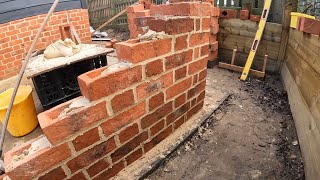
[95, 86]
[40, 162]
[128, 133]
[57, 173]
[115, 169]
[178, 59]
[122, 101]
[197, 66]
[135, 51]
[156, 101]
[156, 128]
[91, 155]
[198, 39]
[181, 43]
[114, 124]
[180, 73]
[156, 140]
[244, 14]
[154, 117]
[98, 167]
[178, 88]
[150, 87]
[172, 26]
[129, 147]
[154, 68]
[229, 13]
[177, 113]
[58, 128]
[86, 139]
[134, 156]
[180, 100]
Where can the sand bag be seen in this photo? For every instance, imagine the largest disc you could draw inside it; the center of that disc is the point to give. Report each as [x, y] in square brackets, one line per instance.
[61, 49]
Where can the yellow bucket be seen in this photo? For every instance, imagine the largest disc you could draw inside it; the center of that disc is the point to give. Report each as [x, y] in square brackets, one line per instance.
[295, 16]
[23, 118]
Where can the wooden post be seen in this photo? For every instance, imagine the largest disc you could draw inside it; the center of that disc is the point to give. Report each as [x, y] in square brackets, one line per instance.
[233, 56]
[286, 20]
[265, 60]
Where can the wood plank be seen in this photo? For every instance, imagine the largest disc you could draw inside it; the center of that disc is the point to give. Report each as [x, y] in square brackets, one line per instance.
[306, 126]
[243, 44]
[240, 69]
[38, 65]
[306, 78]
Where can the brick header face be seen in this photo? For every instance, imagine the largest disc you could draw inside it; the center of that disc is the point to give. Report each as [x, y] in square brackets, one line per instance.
[132, 107]
[16, 37]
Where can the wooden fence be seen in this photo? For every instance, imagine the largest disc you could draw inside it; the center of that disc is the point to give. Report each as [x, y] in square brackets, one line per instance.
[102, 10]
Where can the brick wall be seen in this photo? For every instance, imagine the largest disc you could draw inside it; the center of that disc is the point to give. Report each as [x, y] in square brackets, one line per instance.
[16, 37]
[132, 106]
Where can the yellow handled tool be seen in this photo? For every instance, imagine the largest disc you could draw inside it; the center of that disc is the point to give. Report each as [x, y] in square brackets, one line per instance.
[257, 39]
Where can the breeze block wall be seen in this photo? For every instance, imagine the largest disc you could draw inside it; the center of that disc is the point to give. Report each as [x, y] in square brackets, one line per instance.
[127, 108]
[16, 36]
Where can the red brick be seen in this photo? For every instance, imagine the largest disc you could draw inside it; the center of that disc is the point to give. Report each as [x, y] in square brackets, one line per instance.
[244, 14]
[205, 50]
[115, 169]
[213, 55]
[156, 140]
[57, 173]
[172, 26]
[198, 38]
[201, 96]
[214, 29]
[196, 53]
[154, 117]
[85, 159]
[122, 101]
[70, 123]
[144, 13]
[86, 139]
[128, 133]
[194, 110]
[214, 46]
[198, 22]
[215, 11]
[179, 122]
[40, 162]
[307, 25]
[156, 128]
[150, 87]
[229, 13]
[180, 73]
[196, 90]
[156, 101]
[178, 59]
[135, 8]
[181, 43]
[255, 18]
[180, 100]
[202, 75]
[98, 167]
[113, 125]
[193, 102]
[177, 113]
[205, 24]
[182, 9]
[178, 88]
[134, 51]
[195, 79]
[134, 156]
[197, 66]
[154, 68]
[129, 147]
[78, 176]
[95, 86]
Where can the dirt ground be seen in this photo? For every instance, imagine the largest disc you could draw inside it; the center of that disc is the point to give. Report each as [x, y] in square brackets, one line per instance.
[251, 136]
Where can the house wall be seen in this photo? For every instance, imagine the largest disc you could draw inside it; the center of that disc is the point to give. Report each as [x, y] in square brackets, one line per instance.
[127, 108]
[16, 36]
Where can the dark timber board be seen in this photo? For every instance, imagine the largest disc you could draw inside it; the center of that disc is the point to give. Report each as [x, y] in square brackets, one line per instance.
[17, 9]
